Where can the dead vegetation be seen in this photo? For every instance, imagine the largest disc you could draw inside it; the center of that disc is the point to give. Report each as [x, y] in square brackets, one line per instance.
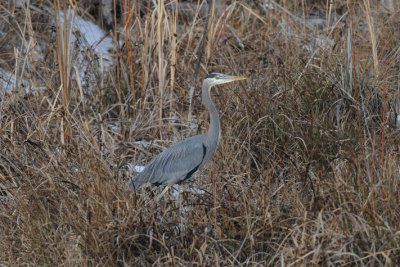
[308, 169]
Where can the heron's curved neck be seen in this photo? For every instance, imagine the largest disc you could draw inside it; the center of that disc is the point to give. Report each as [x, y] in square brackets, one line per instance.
[214, 130]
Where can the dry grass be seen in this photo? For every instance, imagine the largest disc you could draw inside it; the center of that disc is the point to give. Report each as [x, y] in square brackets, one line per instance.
[296, 181]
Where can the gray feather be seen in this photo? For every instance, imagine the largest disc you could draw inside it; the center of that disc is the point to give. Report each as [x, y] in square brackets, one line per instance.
[173, 164]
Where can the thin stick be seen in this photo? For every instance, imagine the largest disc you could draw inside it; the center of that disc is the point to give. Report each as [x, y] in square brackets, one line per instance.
[383, 130]
[130, 55]
[160, 40]
[216, 230]
[144, 61]
[370, 22]
[203, 42]
[116, 43]
[351, 7]
[173, 61]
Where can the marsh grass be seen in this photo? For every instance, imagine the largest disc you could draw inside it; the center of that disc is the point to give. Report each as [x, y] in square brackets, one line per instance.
[303, 175]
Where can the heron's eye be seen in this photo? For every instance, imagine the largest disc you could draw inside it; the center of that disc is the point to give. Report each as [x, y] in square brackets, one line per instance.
[216, 77]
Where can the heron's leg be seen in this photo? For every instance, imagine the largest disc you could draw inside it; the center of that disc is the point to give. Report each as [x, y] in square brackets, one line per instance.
[179, 197]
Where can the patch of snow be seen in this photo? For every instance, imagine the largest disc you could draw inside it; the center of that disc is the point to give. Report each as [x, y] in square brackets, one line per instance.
[317, 22]
[7, 82]
[268, 5]
[176, 192]
[193, 125]
[135, 168]
[75, 169]
[18, 4]
[92, 34]
[114, 127]
[289, 30]
[88, 42]
[398, 121]
[143, 143]
[319, 42]
[139, 168]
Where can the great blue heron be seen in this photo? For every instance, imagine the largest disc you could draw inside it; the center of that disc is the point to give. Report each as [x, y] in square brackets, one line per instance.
[180, 161]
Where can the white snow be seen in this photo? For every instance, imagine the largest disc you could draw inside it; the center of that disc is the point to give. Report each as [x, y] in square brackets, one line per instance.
[317, 43]
[139, 168]
[136, 168]
[93, 36]
[85, 36]
[398, 121]
[7, 82]
[180, 189]
[268, 5]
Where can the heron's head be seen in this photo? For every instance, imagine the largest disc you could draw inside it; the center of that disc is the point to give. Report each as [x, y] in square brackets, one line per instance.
[218, 78]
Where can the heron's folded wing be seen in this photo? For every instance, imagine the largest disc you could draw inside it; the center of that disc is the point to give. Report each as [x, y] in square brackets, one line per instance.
[178, 162]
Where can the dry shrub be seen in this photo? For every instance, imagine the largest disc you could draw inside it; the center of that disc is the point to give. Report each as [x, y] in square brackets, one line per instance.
[292, 182]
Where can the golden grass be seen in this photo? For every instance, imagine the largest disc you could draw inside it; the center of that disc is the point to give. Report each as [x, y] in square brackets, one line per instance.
[296, 181]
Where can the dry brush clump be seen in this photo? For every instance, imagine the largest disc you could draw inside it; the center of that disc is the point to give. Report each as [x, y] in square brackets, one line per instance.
[307, 171]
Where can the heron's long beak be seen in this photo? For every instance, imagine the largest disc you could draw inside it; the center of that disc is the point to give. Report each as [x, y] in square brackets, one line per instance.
[238, 78]
[228, 79]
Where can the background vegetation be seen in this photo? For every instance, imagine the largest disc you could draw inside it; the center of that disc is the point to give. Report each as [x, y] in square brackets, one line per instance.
[308, 169]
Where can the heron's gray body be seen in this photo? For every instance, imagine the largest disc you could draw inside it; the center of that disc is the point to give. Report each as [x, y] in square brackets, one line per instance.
[175, 164]
[182, 160]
